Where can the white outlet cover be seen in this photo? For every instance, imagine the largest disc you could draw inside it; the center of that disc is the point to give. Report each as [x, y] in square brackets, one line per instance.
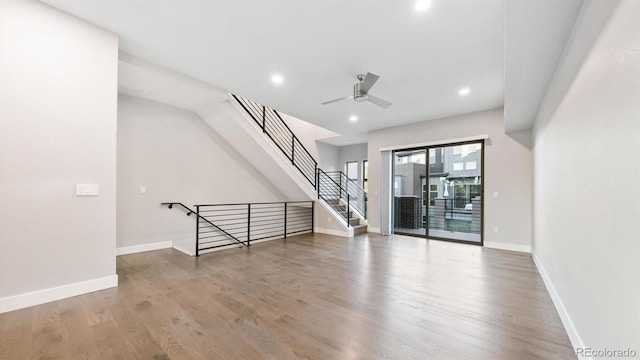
[87, 189]
[143, 189]
[495, 194]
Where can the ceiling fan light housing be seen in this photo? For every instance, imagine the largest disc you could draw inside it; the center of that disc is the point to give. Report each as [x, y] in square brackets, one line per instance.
[359, 95]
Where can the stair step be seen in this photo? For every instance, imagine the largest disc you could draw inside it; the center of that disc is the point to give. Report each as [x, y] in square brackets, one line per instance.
[354, 221]
[359, 229]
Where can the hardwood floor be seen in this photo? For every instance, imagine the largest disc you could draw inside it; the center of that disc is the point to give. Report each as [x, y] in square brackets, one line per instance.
[311, 297]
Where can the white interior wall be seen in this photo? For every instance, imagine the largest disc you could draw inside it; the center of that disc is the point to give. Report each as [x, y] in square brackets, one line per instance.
[177, 157]
[327, 156]
[307, 133]
[356, 152]
[58, 101]
[507, 170]
[586, 192]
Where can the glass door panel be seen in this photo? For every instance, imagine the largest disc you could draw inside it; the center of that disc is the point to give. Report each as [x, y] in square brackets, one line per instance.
[455, 192]
[409, 192]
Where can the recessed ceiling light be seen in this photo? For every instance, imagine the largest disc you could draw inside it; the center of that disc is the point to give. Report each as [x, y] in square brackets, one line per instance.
[277, 79]
[422, 5]
[464, 91]
[353, 118]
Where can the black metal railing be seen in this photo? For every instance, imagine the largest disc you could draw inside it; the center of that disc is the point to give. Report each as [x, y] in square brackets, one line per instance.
[339, 188]
[204, 220]
[331, 192]
[249, 222]
[279, 132]
[221, 225]
[349, 189]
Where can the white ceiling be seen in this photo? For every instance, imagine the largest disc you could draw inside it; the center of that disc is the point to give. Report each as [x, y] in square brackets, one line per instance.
[537, 32]
[423, 58]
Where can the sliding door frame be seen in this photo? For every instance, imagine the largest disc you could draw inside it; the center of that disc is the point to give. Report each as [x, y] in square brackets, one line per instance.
[426, 229]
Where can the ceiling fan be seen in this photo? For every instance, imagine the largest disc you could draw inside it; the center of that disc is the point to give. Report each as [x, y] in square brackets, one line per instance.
[361, 91]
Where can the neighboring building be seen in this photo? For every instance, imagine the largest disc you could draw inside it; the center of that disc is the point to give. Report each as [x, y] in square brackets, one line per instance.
[454, 173]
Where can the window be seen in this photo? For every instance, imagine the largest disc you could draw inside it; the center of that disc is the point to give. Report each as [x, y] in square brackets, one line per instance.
[352, 170]
[470, 165]
[433, 194]
[365, 175]
[397, 185]
[458, 166]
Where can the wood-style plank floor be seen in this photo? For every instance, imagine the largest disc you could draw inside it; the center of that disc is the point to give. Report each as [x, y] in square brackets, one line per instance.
[310, 297]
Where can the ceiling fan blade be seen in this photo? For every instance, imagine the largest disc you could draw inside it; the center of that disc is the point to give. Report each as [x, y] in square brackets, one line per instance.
[368, 82]
[336, 100]
[380, 102]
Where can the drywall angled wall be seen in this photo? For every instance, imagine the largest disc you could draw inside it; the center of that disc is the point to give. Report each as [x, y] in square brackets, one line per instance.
[58, 102]
[586, 192]
[234, 125]
[507, 172]
[307, 133]
[166, 154]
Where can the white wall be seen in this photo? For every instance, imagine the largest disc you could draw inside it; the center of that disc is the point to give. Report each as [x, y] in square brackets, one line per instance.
[58, 99]
[307, 133]
[357, 152]
[178, 157]
[586, 193]
[327, 156]
[508, 171]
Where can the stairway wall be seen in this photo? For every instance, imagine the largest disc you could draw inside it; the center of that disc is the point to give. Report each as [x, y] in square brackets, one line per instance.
[237, 127]
[178, 157]
[241, 133]
[152, 82]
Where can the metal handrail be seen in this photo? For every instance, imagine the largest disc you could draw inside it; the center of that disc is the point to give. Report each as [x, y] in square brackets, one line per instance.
[352, 188]
[256, 221]
[170, 205]
[262, 115]
[274, 127]
[336, 188]
[255, 203]
[248, 221]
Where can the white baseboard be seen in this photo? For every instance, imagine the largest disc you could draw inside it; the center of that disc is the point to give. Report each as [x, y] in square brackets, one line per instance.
[21, 301]
[126, 250]
[510, 247]
[189, 250]
[574, 337]
[341, 233]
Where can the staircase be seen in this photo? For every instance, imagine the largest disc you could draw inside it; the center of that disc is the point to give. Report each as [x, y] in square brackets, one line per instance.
[354, 221]
[343, 196]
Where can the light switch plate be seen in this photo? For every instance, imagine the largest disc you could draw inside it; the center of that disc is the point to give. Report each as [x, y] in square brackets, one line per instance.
[87, 189]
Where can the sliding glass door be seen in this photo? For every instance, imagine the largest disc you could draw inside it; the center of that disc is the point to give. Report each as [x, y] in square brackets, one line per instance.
[438, 192]
[455, 192]
[409, 201]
